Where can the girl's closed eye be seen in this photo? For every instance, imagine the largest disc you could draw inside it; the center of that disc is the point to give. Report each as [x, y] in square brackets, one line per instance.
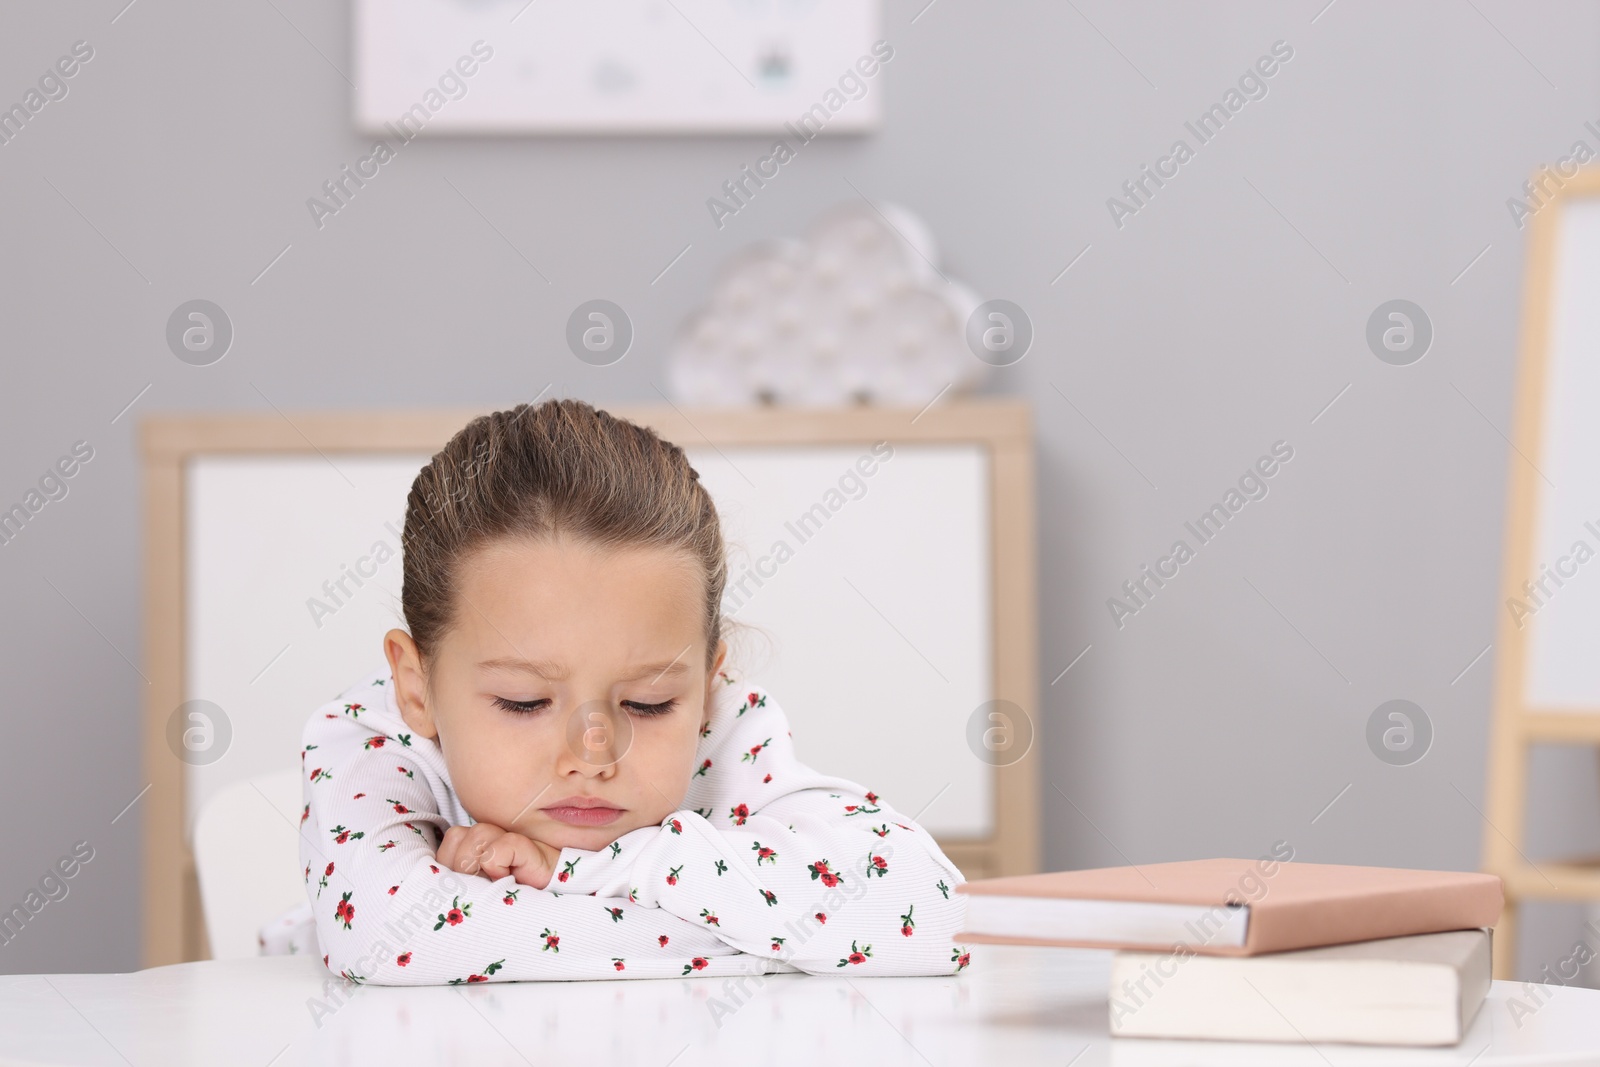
[521, 707]
[648, 710]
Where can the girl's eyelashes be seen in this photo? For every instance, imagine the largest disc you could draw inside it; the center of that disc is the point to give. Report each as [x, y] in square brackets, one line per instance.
[650, 709]
[520, 707]
[527, 707]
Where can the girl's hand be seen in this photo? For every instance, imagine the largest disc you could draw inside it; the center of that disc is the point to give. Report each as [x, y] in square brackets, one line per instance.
[485, 849]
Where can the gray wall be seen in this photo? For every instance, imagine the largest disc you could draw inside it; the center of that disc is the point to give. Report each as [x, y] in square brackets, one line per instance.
[1222, 317]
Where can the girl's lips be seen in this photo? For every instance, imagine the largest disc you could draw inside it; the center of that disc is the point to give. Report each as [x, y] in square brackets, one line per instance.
[584, 816]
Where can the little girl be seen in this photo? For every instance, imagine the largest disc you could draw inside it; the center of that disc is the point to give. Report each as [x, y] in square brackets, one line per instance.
[556, 776]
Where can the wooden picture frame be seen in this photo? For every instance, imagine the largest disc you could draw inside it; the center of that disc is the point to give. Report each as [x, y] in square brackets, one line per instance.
[1520, 722]
[173, 930]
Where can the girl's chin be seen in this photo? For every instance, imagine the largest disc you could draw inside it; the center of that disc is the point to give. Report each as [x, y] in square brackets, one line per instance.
[586, 838]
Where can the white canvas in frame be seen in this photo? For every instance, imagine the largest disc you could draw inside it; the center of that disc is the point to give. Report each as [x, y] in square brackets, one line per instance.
[615, 66]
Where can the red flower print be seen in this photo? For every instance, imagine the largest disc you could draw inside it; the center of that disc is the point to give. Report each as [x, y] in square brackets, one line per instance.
[677, 827]
[769, 896]
[568, 869]
[341, 835]
[960, 958]
[617, 963]
[374, 742]
[615, 913]
[328, 871]
[552, 943]
[399, 808]
[511, 896]
[857, 955]
[662, 940]
[820, 870]
[711, 920]
[387, 845]
[876, 865]
[750, 757]
[906, 922]
[403, 959]
[739, 813]
[344, 911]
[881, 831]
[484, 977]
[696, 964]
[672, 875]
[393, 890]
[860, 809]
[358, 796]
[456, 913]
[763, 853]
[872, 798]
[318, 775]
[822, 917]
[704, 767]
[305, 814]
[432, 868]
[777, 944]
[768, 778]
[354, 710]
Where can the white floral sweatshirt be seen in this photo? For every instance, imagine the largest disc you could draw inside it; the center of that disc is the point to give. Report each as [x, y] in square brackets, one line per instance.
[768, 867]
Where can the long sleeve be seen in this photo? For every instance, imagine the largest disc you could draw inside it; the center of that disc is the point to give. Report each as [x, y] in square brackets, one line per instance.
[786, 863]
[377, 804]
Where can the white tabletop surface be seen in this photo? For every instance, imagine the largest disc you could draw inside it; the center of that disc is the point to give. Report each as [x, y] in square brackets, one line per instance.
[1013, 1006]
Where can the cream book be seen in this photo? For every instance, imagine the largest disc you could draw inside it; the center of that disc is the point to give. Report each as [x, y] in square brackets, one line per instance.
[1418, 990]
[1225, 907]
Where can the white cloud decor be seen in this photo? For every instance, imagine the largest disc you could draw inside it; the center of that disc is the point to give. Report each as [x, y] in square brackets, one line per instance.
[856, 312]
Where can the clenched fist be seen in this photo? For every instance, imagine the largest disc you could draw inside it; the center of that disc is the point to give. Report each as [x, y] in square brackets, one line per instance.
[494, 853]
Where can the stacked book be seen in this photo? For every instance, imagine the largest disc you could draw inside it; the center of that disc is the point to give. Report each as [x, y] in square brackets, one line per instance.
[1264, 950]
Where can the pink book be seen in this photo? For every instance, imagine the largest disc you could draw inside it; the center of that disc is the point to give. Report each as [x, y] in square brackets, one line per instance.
[1225, 907]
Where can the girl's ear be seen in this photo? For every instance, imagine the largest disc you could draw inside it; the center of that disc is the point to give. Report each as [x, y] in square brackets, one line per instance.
[711, 682]
[410, 683]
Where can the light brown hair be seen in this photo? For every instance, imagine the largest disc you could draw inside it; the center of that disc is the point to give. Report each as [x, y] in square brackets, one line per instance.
[561, 468]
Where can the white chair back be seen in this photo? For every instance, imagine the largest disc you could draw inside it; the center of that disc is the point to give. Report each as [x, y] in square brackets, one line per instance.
[246, 854]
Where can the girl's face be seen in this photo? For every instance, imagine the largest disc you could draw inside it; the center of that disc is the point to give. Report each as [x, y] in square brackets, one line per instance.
[569, 694]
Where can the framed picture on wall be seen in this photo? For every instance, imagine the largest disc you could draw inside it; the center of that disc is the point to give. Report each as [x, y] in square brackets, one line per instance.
[623, 66]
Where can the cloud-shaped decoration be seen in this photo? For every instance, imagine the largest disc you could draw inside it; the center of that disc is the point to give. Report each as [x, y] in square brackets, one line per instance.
[857, 312]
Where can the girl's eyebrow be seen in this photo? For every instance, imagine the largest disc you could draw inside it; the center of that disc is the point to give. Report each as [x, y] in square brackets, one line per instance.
[555, 672]
[546, 669]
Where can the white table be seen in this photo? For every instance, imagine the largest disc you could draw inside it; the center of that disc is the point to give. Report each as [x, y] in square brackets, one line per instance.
[1013, 1006]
